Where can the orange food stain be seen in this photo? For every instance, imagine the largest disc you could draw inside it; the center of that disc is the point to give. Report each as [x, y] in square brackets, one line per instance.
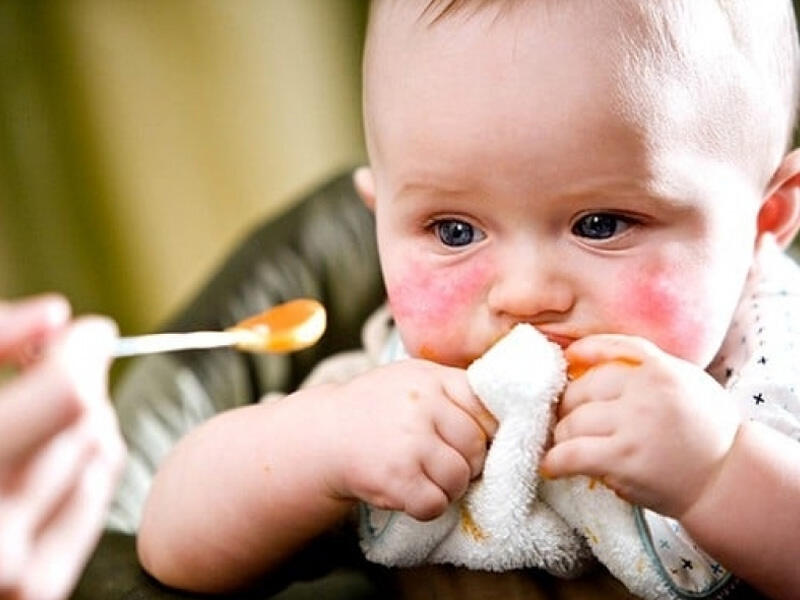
[427, 353]
[578, 369]
[469, 526]
[640, 564]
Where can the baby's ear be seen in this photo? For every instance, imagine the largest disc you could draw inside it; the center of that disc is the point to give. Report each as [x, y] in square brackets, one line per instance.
[780, 209]
[365, 185]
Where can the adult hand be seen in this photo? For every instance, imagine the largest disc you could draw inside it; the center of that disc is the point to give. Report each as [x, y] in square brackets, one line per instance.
[60, 448]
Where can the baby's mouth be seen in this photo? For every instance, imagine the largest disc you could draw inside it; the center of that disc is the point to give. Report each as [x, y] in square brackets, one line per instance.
[559, 338]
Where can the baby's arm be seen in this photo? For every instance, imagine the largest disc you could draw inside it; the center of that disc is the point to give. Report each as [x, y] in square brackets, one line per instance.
[663, 434]
[747, 517]
[250, 487]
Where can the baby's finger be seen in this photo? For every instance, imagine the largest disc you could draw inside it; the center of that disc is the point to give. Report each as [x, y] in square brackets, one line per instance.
[461, 432]
[424, 499]
[589, 456]
[448, 470]
[457, 388]
[601, 383]
[592, 419]
[586, 353]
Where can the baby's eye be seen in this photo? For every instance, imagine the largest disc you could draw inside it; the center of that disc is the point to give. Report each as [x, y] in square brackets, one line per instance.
[457, 233]
[601, 226]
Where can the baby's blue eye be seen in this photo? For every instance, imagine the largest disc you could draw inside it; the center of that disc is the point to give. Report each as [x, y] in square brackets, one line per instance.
[456, 233]
[600, 226]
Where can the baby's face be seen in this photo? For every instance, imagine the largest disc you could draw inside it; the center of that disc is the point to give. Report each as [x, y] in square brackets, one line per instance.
[521, 177]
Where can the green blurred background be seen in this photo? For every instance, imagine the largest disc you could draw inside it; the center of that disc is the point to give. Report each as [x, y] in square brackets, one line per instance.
[139, 140]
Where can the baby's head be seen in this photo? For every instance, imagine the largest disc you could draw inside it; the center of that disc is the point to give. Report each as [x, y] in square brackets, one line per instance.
[589, 167]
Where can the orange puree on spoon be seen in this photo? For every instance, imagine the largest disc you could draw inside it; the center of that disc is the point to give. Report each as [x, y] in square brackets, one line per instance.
[288, 327]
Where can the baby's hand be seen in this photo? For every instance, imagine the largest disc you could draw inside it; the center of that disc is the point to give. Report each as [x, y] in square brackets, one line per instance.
[654, 428]
[411, 436]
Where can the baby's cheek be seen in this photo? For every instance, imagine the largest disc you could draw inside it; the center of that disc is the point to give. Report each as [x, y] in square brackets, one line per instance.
[433, 307]
[660, 304]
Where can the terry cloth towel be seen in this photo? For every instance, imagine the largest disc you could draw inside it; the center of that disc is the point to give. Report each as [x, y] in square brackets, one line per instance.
[510, 518]
[498, 524]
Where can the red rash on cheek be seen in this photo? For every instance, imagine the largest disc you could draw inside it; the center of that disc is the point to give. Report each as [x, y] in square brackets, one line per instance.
[652, 299]
[661, 305]
[427, 297]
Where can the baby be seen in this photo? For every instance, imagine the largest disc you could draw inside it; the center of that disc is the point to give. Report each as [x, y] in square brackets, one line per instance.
[607, 172]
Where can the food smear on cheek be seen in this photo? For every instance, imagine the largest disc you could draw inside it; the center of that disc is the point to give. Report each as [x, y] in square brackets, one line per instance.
[662, 306]
[431, 302]
[427, 352]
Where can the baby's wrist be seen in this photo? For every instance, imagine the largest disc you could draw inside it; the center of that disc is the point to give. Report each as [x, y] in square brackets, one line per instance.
[717, 489]
[308, 422]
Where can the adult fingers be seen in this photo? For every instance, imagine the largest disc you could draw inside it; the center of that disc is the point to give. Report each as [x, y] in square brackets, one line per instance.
[26, 323]
[83, 352]
[34, 408]
[45, 399]
[110, 445]
[46, 478]
[63, 547]
[31, 492]
[15, 549]
[55, 470]
[69, 529]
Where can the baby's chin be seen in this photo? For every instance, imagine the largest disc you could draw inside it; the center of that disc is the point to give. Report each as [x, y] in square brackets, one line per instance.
[430, 353]
[450, 355]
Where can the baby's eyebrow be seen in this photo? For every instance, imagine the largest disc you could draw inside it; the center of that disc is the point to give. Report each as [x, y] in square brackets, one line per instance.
[412, 188]
[612, 192]
[637, 203]
[663, 195]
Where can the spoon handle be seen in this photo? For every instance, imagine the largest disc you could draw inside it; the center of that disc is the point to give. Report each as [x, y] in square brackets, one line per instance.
[170, 342]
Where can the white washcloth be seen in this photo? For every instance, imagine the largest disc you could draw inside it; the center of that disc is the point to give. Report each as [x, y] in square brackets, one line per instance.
[510, 518]
[499, 524]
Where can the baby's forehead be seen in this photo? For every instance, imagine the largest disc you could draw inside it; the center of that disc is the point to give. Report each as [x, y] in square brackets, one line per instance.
[663, 25]
[762, 35]
[729, 64]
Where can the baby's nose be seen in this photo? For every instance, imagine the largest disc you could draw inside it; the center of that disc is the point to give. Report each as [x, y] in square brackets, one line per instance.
[530, 288]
